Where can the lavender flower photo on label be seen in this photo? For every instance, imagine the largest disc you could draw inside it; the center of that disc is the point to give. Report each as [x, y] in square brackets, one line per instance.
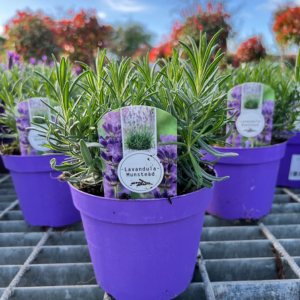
[138, 129]
[23, 122]
[31, 141]
[135, 162]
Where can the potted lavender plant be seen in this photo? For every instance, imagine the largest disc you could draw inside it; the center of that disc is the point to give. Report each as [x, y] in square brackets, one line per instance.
[289, 169]
[253, 175]
[144, 248]
[44, 201]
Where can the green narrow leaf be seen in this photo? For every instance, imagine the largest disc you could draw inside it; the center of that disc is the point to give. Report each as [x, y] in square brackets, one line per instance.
[64, 167]
[197, 169]
[86, 154]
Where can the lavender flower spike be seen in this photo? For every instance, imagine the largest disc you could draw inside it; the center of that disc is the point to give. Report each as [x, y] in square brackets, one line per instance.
[10, 54]
[32, 61]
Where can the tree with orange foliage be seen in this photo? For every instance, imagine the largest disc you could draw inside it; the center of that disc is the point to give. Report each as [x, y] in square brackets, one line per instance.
[82, 34]
[163, 50]
[36, 35]
[31, 35]
[287, 25]
[251, 50]
[209, 21]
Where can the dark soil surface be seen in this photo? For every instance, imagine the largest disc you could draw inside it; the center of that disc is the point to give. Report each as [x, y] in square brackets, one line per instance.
[124, 196]
[209, 170]
[276, 141]
[10, 149]
[95, 190]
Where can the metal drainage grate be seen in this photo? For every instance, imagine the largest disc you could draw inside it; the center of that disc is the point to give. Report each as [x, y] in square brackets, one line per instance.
[235, 259]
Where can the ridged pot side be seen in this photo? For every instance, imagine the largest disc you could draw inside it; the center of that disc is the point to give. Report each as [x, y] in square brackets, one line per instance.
[44, 200]
[248, 193]
[143, 249]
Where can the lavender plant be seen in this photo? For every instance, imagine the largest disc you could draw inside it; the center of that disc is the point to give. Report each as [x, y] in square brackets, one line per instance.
[142, 139]
[17, 84]
[191, 93]
[190, 90]
[251, 103]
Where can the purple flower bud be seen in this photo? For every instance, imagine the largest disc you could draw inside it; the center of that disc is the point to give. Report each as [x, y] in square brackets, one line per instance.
[112, 178]
[116, 159]
[17, 56]
[44, 58]
[52, 64]
[10, 54]
[114, 149]
[104, 156]
[24, 141]
[102, 141]
[32, 61]
[164, 194]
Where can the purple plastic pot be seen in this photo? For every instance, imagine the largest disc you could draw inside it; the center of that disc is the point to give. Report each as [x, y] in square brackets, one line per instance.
[143, 249]
[292, 148]
[2, 167]
[248, 193]
[44, 200]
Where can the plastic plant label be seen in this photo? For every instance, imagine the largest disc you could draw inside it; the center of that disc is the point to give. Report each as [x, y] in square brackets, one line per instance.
[31, 141]
[137, 178]
[250, 124]
[294, 173]
[135, 162]
[254, 120]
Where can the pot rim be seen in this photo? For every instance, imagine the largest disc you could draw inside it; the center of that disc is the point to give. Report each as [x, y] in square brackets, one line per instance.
[32, 156]
[249, 156]
[254, 148]
[137, 200]
[31, 163]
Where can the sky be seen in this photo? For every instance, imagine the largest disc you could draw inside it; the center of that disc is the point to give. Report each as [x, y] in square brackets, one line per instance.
[249, 17]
